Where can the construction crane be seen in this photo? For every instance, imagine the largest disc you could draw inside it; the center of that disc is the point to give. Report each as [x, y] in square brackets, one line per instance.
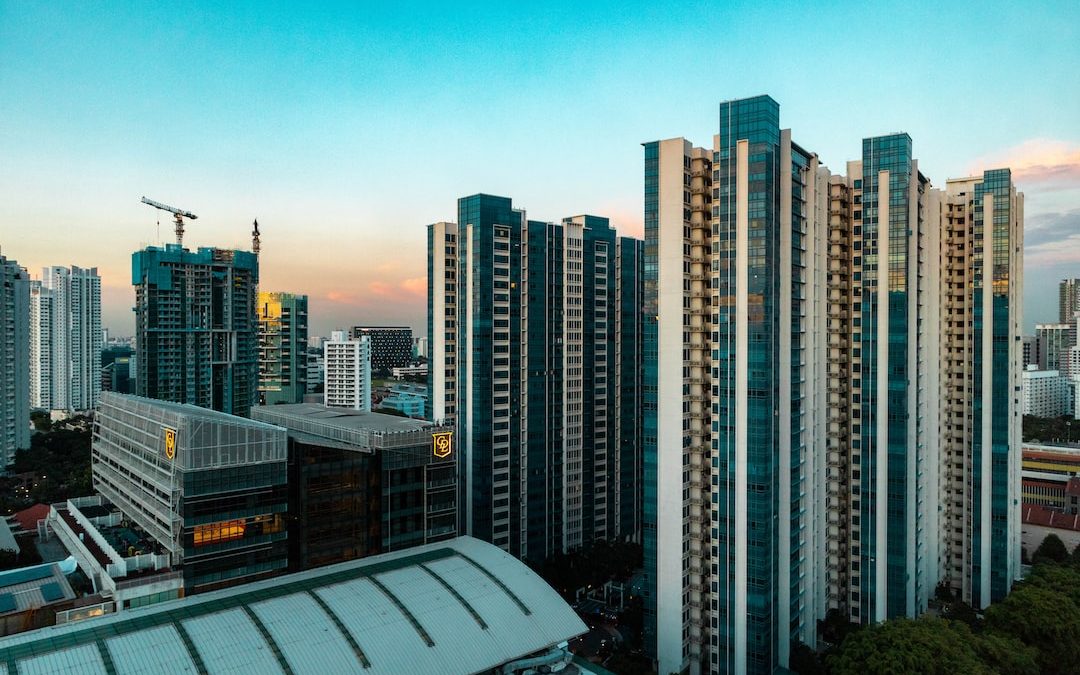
[178, 215]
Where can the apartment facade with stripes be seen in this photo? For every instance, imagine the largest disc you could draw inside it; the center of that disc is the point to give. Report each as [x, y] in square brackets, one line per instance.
[830, 398]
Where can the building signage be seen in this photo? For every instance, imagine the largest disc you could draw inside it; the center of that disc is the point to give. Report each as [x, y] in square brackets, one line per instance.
[442, 444]
[170, 443]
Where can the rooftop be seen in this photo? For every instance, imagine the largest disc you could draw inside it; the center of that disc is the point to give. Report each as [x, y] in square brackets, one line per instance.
[139, 404]
[459, 606]
[30, 587]
[344, 418]
[355, 429]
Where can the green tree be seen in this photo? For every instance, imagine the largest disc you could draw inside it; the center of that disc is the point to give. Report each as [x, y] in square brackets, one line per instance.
[1043, 619]
[1064, 579]
[925, 645]
[1006, 654]
[1075, 559]
[1052, 548]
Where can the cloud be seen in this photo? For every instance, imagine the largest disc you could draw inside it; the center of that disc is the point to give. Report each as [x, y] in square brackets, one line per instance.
[1052, 238]
[1039, 162]
[1051, 228]
[341, 297]
[417, 286]
[404, 290]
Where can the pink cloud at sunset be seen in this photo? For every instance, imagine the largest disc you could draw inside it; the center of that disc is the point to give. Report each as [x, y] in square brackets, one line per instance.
[1039, 162]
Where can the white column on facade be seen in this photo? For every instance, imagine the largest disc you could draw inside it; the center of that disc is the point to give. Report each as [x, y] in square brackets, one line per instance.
[669, 408]
[817, 364]
[572, 272]
[934, 297]
[742, 342]
[437, 354]
[881, 441]
[783, 419]
[1016, 309]
[987, 346]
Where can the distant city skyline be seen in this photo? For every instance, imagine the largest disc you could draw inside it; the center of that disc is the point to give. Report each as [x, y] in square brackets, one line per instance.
[347, 130]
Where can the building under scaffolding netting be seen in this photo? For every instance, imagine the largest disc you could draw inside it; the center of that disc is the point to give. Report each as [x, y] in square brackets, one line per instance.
[210, 487]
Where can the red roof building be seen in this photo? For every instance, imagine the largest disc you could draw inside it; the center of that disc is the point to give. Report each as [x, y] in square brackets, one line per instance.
[28, 518]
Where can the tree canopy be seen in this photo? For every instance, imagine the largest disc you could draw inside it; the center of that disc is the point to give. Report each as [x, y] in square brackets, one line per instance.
[1052, 549]
[925, 645]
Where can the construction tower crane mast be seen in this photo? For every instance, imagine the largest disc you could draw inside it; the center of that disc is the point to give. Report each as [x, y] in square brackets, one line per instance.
[178, 216]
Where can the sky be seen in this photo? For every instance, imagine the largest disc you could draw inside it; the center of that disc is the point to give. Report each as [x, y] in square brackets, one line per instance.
[346, 128]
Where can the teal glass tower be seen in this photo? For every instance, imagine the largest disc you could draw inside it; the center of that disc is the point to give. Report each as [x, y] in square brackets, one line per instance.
[732, 248]
[196, 326]
[533, 331]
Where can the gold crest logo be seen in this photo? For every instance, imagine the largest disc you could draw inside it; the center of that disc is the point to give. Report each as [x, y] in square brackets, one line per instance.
[170, 443]
[442, 444]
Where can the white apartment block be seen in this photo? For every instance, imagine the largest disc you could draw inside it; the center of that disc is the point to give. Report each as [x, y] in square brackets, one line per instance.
[41, 346]
[67, 367]
[347, 364]
[1046, 393]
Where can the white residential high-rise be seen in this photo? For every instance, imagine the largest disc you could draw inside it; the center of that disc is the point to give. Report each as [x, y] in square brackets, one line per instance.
[42, 315]
[348, 372]
[69, 371]
[14, 361]
[831, 390]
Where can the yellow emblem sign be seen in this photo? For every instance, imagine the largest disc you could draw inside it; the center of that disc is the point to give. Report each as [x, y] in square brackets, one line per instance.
[442, 444]
[170, 443]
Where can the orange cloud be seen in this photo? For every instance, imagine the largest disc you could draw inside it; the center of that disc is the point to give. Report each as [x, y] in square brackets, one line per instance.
[339, 296]
[1048, 163]
[417, 286]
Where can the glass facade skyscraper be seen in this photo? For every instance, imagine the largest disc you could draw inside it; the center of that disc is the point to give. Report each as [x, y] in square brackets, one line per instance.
[533, 334]
[729, 502]
[810, 442]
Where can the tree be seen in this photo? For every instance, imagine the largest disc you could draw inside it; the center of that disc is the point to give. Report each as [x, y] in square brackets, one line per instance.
[1043, 619]
[925, 645]
[1075, 559]
[805, 661]
[1063, 579]
[1052, 548]
[1006, 654]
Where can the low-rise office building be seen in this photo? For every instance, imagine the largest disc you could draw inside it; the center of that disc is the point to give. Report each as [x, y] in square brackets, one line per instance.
[1049, 472]
[209, 487]
[362, 483]
[407, 398]
[126, 566]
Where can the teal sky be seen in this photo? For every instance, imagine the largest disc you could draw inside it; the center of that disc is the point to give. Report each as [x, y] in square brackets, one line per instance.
[345, 129]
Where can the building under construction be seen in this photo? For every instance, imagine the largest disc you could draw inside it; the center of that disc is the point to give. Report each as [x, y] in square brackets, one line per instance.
[196, 327]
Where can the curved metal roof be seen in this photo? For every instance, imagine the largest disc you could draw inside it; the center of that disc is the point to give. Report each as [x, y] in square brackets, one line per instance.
[459, 606]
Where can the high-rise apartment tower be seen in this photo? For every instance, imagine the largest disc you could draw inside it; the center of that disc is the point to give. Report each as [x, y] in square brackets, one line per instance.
[14, 360]
[534, 338]
[283, 336]
[831, 393]
[196, 326]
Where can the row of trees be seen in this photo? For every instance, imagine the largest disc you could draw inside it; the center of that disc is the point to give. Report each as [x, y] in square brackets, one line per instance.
[1051, 429]
[55, 467]
[1036, 629]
